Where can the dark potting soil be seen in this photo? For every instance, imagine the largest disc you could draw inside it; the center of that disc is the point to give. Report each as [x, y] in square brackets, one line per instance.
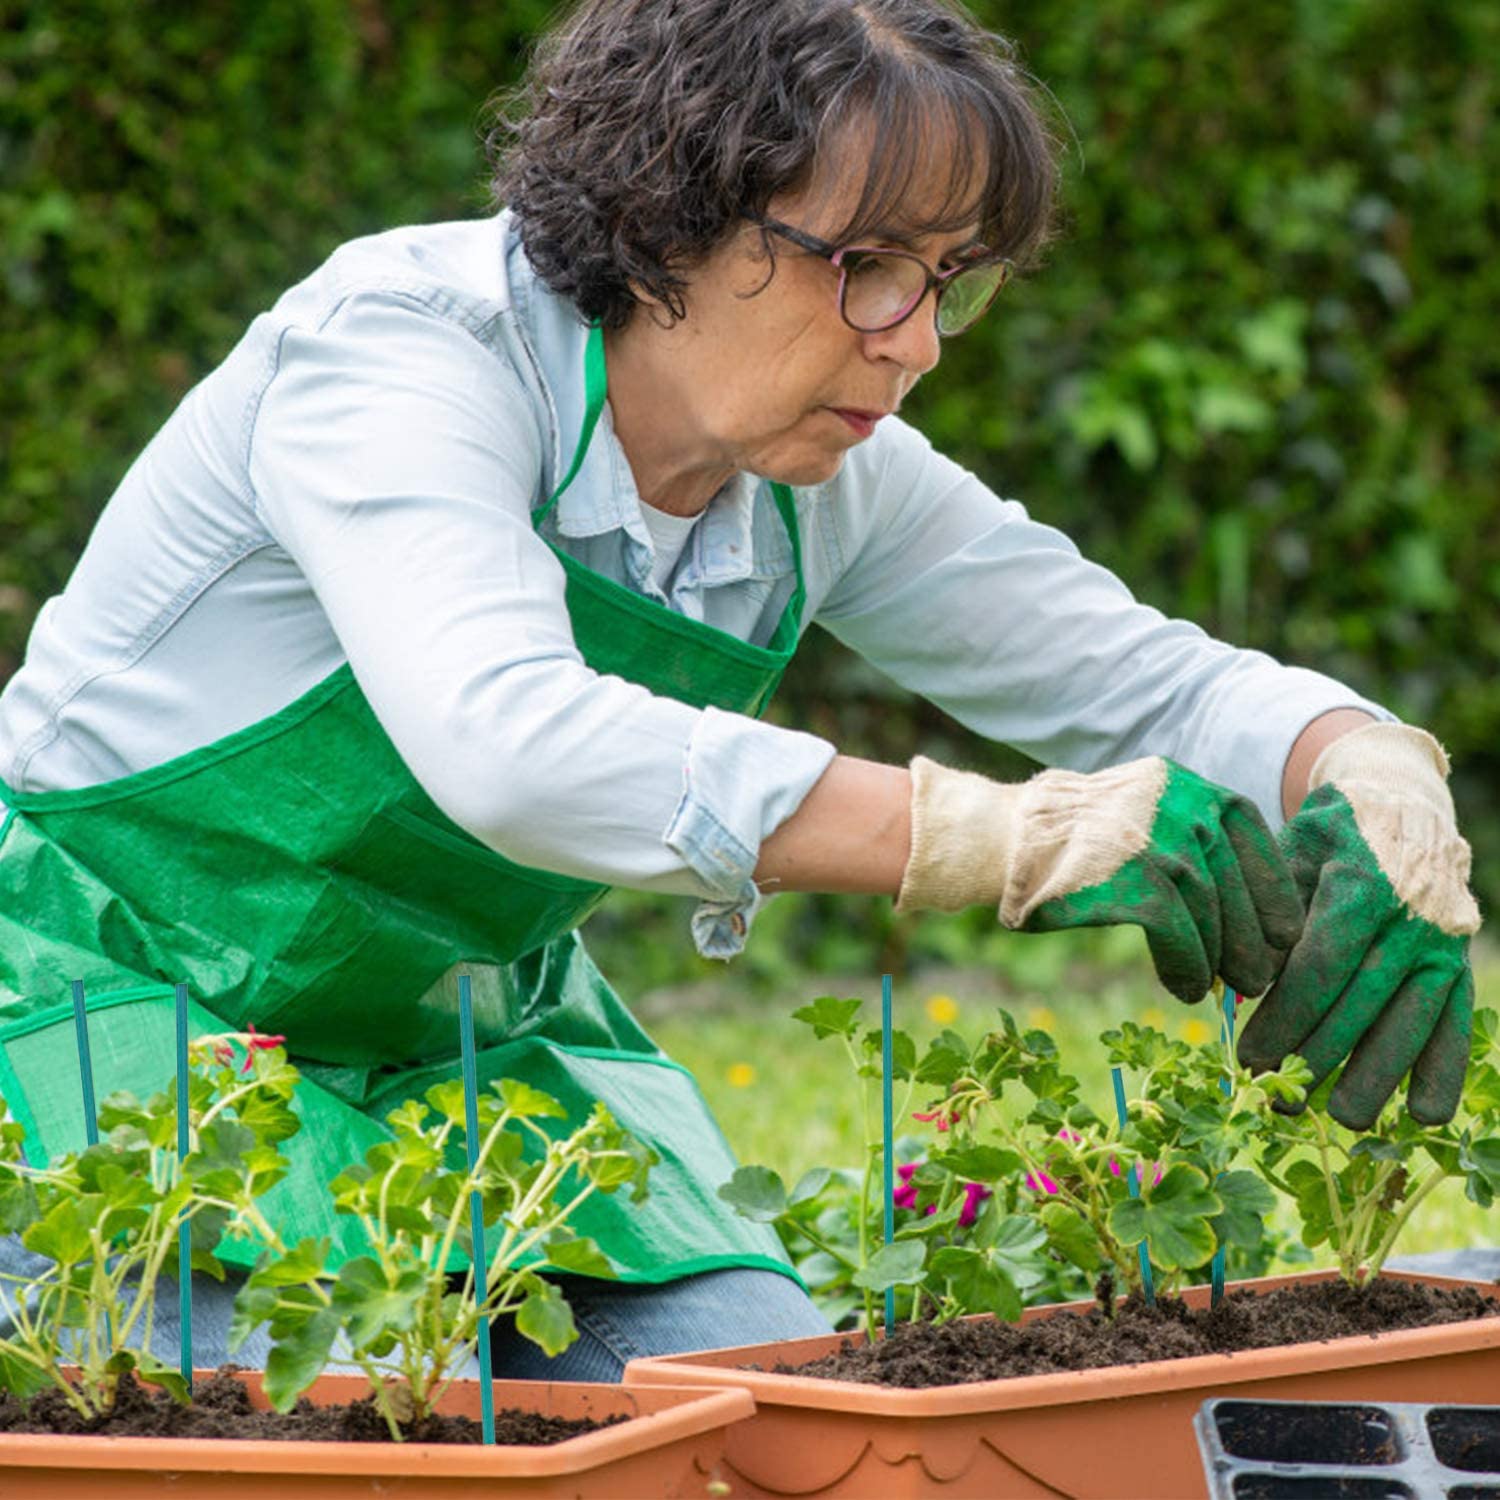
[221, 1408]
[919, 1355]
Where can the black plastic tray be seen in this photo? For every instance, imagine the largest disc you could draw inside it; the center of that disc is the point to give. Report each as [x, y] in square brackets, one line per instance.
[1349, 1450]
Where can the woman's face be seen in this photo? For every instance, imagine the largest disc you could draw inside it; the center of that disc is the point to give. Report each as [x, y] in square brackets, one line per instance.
[768, 378]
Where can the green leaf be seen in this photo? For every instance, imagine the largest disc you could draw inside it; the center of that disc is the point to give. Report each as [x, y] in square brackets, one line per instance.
[578, 1254]
[298, 1356]
[755, 1193]
[1172, 1216]
[63, 1233]
[545, 1317]
[978, 1280]
[809, 1185]
[446, 1098]
[829, 1016]
[1070, 1236]
[529, 1103]
[1481, 1161]
[897, 1264]
[301, 1264]
[372, 1302]
[945, 1061]
[168, 1377]
[253, 1305]
[1247, 1199]
[19, 1206]
[22, 1379]
[979, 1163]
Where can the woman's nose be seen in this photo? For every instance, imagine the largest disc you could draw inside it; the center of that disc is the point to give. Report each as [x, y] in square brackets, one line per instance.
[913, 345]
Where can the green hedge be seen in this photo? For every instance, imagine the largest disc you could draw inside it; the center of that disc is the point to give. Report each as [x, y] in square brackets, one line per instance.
[1259, 377]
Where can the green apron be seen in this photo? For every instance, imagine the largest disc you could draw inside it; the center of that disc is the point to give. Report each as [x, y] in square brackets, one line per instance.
[297, 877]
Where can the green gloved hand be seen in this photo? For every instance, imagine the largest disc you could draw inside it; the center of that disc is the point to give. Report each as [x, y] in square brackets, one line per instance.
[1381, 974]
[1147, 843]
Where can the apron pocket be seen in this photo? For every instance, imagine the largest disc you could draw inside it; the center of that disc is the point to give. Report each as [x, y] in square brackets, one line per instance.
[405, 901]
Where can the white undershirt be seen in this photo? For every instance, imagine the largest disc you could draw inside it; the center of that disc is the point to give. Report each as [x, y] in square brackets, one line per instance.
[669, 536]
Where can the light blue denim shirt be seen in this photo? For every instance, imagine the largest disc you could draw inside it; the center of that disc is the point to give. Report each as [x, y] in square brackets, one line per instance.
[355, 483]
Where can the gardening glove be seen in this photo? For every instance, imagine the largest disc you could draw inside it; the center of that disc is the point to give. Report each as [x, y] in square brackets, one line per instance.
[1381, 974]
[1148, 843]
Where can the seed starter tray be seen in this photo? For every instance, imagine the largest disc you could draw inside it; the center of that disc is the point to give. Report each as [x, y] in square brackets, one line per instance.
[1363, 1450]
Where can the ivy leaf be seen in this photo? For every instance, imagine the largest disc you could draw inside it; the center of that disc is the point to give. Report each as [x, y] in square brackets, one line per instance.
[829, 1016]
[1172, 1217]
[978, 1280]
[253, 1305]
[897, 1264]
[1070, 1236]
[527, 1102]
[1247, 1199]
[545, 1317]
[755, 1193]
[447, 1098]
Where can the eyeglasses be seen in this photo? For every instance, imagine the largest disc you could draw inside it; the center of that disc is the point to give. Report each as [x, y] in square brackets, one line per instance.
[881, 289]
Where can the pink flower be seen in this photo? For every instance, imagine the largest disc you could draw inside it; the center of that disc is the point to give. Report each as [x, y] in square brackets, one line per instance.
[941, 1117]
[256, 1041]
[905, 1196]
[1040, 1182]
[974, 1194]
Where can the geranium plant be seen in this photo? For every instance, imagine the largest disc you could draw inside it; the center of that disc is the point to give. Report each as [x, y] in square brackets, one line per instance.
[108, 1219]
[1356, 1191]
[408, 1312]
[1025, 1185]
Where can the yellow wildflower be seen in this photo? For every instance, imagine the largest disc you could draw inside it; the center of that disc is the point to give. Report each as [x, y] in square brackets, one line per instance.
[1154, 1015]
[1196, 1032]
[1040, 1017]
[740, 1075]
[942, 1009]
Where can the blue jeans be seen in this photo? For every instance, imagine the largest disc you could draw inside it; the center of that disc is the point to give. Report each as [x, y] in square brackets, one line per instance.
[617, 1321]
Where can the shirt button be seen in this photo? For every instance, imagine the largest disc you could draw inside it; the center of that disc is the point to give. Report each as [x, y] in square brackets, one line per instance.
[737, 925]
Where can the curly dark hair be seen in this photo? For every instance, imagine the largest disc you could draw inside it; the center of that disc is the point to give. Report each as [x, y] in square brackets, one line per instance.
[646, 130]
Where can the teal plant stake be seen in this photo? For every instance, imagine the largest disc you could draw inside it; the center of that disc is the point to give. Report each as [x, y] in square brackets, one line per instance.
[888, 1132]
[1217, 1294]
[86, 1072]
[1134, 1179]
[184, 1229]
[85, 1065]
[476, 1203]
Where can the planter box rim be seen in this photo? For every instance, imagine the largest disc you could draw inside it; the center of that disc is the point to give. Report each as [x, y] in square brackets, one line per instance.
[701, 1410]
[1061, 1387]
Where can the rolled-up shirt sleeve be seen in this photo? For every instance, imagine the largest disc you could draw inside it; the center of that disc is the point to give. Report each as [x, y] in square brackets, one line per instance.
[962, 597]
[395, 457]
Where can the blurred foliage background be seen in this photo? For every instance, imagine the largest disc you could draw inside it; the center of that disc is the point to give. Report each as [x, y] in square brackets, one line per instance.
[1258, 377]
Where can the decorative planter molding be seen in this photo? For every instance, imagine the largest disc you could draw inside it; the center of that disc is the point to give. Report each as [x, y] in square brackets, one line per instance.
[672, 1447]
[1091, 1434]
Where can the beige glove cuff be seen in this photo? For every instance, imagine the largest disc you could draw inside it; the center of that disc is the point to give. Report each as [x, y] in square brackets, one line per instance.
[962, 834]
[1395, 779]
[1013, 847]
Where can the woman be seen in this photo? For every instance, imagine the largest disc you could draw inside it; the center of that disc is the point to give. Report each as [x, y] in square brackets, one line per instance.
[450, 600]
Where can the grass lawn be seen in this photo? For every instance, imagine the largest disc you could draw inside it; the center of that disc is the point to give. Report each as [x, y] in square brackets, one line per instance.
[787, 1101]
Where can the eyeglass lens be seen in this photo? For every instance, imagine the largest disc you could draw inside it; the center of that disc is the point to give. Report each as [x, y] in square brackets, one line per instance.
[880, 290]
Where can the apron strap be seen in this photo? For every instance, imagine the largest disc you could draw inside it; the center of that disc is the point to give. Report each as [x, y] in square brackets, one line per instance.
[595, 387]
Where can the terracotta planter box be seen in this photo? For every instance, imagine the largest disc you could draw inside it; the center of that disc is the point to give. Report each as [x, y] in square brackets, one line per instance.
[1126, 1430]
[673, 1447]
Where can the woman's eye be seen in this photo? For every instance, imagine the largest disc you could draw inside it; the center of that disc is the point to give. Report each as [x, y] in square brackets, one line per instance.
[861, 265]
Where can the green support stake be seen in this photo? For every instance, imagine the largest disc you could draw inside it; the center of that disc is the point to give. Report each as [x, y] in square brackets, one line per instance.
[476, 1203]
[1134, 1180]
[185, 1228]
[1216, 1295]
[888, 1137]
[85, 1064]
